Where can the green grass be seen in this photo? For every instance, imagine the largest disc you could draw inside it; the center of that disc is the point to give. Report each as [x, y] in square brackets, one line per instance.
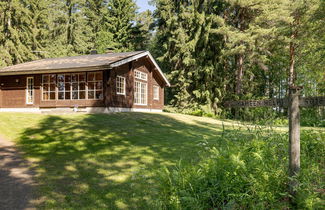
[110, 161]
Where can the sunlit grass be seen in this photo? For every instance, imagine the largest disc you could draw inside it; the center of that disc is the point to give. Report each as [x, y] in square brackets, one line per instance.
[108, 161]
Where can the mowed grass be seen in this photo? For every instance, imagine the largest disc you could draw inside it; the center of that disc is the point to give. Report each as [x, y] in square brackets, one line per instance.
[104, 161]
[108, 161]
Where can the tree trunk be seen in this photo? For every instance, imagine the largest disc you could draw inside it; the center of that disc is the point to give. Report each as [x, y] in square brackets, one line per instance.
[239, 74]
[292, 76]
[294, 140]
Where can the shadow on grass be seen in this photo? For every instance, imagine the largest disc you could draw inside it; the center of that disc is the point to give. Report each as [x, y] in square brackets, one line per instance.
[15, 180]
[108, 161]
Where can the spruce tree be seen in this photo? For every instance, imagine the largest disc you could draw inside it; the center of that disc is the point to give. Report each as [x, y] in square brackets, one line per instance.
[15, 32]
[120, 23]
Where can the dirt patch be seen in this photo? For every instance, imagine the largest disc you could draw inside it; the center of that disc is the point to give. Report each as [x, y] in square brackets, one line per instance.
[16, 179]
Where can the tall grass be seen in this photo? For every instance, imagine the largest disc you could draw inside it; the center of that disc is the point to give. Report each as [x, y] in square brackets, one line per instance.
[246, 170]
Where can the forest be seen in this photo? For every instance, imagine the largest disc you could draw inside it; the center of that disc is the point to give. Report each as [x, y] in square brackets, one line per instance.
[211, 50]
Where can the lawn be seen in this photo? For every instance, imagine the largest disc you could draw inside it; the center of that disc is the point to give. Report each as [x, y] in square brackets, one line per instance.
[109, 161]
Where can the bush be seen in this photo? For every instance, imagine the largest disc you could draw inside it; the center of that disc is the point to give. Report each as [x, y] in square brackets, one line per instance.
[245, 172]
[313, 117]
[200, 111]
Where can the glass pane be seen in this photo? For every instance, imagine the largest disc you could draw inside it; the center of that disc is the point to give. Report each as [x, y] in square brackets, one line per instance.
[99, 76]
[45, 78]
[67, 95]
[99, 85]
[74, 77]
[52, 87]
[67, 78]
[74, 86]
[82, 77]
[60, 77]
[74, 95]
[61, 95]
[52, 78]
[67, 86]
[82, 86]
[99, 94]
[82, 95]
[91, 85]
[45, 87]
[52, 96]
[91, 95]
[61, 86]
[91, 76]
[45, 96]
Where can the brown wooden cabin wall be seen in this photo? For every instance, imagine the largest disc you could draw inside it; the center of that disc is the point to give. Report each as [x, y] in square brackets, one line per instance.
[127, 100]
[13, 94]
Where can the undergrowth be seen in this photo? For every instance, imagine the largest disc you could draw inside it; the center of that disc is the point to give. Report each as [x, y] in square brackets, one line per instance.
[246, 170]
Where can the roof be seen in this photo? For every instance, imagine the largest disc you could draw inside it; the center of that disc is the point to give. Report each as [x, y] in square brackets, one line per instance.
[79, 63]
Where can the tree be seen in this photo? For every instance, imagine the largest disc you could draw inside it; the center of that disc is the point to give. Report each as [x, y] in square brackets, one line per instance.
[120, 23]
[95, 12]
[15, 32]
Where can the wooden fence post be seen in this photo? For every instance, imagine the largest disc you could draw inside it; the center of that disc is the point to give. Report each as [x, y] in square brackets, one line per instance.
[294, 139]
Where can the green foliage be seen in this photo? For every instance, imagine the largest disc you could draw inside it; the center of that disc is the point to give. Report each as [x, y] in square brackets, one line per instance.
[33, 29]
[313, 117]
[245, 170]
[215, 51]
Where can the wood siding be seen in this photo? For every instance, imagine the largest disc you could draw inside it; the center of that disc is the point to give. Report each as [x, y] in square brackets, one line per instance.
[13, 93]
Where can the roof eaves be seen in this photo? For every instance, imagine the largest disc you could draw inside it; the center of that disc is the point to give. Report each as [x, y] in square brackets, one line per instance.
[42, 71]
[137, 56]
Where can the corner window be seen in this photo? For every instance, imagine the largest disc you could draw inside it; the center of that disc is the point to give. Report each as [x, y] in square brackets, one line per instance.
[120, 85]
[140, 75]
[156, 92]
[95, 85]
[140, 93]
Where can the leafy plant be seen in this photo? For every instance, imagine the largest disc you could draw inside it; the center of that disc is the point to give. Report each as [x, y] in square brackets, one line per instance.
[245, 172]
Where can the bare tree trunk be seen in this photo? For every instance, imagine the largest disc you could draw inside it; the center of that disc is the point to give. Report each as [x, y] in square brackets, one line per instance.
[294, 140]
[239, 74]
[292, 77]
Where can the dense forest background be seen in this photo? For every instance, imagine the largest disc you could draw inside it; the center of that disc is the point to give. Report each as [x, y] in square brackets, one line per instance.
[211, 50]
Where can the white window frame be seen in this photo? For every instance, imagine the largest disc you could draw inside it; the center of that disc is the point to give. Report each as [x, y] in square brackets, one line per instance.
[49, 89]
[155, 94]
[101, 89]
[143, 96]
[119, 80]
[27, 90]
[140, 75]
[78, 82]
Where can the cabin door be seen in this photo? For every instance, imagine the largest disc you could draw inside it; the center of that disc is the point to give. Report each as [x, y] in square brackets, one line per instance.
[30, 90]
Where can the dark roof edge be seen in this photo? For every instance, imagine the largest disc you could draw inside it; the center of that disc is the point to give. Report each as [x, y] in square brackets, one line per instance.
[42, 71]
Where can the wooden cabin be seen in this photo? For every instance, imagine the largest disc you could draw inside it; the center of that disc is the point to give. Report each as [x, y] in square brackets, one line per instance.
[129, 81]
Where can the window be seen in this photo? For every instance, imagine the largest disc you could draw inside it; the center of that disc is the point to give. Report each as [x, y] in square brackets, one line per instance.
[156, 92]
[72, 86]
[120, 85]
[64, 86]
[140, 93]
[30, 90]
[140, 75]
[95, 85]
[78, 86]
[48, 87]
